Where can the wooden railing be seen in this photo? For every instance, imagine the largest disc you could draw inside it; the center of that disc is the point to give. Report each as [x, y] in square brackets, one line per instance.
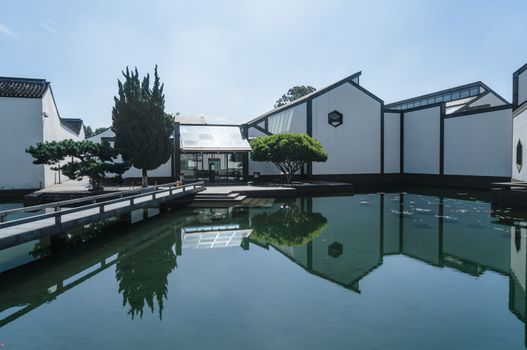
[98, 201]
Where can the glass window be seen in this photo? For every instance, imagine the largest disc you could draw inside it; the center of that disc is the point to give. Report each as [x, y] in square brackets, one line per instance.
[447, 98]
[464, 94]
[235, 166]
[431, 100]
[188, 166]
[439, 99]
[474, 91]
[456, 95]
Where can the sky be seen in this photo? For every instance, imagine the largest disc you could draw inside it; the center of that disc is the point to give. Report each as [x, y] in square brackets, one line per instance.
[231, 60]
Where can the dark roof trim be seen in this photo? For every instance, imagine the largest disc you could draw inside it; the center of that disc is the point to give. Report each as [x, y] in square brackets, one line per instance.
[387, 110]
[23, 87]
[262, 130]
[479, 111]
[515, 86]
[305, 98]
[441, 92]
[65, 126]
[479, 97]
[496, 94]
[467, 106]
[366, 92]
[520, 109]
[100, 132]
[520, 70]
[73, 124]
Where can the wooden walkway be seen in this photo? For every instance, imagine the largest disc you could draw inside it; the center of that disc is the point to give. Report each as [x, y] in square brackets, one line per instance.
[56, 218]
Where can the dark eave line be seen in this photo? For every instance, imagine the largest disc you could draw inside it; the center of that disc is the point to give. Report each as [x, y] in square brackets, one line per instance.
[519, 110]
[479, 111]
[441, 92]
[520, 70]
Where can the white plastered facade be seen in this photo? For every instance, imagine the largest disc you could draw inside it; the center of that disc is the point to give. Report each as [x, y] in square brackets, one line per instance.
[25, 122]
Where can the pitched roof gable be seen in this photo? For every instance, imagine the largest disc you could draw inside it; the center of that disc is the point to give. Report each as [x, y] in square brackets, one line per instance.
[348, 79]
[74, 124]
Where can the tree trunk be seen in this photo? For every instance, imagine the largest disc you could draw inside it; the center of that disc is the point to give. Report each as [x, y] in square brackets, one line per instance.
[288, 177]
[144, 180]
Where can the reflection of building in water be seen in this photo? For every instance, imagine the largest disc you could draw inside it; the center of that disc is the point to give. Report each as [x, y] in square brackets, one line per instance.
[349, 247]
[360, 231]
[518, 275]
[216, 236]
[443, 232]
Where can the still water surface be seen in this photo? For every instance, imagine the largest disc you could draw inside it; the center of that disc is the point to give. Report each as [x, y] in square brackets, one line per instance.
[416, 270]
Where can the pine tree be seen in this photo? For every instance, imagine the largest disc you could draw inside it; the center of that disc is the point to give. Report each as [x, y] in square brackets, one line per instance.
[77, 159]
[141, 126]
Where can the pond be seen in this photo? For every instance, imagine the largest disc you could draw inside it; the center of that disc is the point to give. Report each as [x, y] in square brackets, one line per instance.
[403, 270]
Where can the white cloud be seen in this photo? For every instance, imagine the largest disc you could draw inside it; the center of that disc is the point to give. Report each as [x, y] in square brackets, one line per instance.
[49, 26]
[6, 31]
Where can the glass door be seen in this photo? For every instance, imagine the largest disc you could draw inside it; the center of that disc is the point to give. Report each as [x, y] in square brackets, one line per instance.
[214, 169]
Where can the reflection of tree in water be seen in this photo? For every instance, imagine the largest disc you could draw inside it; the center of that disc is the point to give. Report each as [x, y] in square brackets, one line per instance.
[74, 237]
[288, 226]
[143, 276]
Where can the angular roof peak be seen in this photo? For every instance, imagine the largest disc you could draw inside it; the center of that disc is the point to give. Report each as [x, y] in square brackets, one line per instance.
[312, 95]
[74, 124]
[456, 93]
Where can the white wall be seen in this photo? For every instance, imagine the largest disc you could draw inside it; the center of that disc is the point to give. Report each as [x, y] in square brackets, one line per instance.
[392, 138]
[522, 88]
[292, 120]
[165, 170]
[489, 99]
[53, 130]
[421, 141]
[20, 127]
[354, 146]
[519, 132]
[479, 144]
[264, 168]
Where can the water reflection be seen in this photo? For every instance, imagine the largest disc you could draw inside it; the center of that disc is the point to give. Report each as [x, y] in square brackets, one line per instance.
[143, 275]
[290, 225]
[339, 239]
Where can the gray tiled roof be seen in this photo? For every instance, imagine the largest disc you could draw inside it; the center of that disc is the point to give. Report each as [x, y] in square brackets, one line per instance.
[74, 124]
[21, 87]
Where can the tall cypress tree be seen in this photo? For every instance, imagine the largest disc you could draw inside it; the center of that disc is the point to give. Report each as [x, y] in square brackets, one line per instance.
[141, 126]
